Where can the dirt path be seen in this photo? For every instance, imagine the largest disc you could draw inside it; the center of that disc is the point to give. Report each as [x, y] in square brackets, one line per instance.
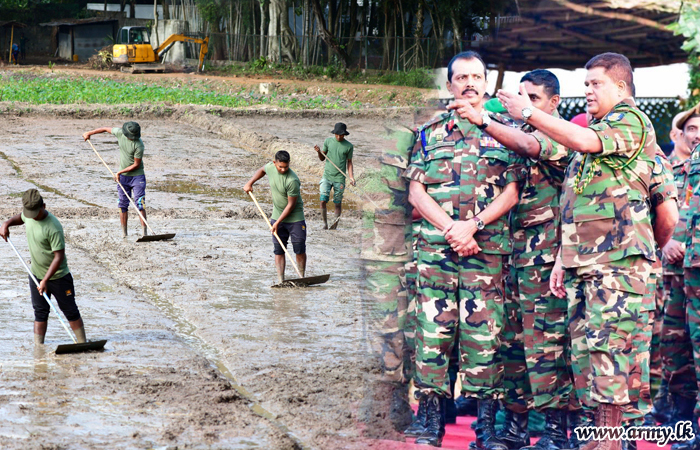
[196, 333]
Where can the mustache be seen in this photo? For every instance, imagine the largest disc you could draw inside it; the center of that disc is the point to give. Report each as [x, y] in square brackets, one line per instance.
[468, 90]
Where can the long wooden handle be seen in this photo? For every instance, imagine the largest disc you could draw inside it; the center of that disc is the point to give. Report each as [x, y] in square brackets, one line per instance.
[120, 185]
[36, 282]
[278, 238]
[357, 187]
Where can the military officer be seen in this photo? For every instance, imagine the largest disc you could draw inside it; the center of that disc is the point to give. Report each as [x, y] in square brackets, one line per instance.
[607, 248]
[536, 377]
[463, 183]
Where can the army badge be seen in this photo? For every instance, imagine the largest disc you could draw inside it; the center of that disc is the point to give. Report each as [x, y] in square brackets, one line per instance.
[658, 167]
[439, 134]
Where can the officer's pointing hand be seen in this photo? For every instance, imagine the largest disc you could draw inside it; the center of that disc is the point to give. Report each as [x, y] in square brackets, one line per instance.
[466, 111]
[515, 103]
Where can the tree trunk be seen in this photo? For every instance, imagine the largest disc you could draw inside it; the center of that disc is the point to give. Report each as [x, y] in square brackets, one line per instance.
[122, 5]
[166, 10]
[418, 38]
[389, 20]
[327, 37]
[354, 23]
[132, 9]
[457, 38]
[279, 32]
[263, 8]
[155, 18]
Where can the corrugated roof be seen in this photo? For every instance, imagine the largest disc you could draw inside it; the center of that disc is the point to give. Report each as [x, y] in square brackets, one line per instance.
[73, 22]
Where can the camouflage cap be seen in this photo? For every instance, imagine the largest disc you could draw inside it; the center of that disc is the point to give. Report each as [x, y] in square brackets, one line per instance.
[32, 203]
[132, 130]
[695, 110]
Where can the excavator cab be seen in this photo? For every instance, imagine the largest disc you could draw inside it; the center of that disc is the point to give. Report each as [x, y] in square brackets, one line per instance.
[133, 46]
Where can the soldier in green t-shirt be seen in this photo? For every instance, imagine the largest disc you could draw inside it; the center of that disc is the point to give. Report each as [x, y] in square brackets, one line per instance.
[49, 265]
[287, 210]
[130, 174]
[338, 155]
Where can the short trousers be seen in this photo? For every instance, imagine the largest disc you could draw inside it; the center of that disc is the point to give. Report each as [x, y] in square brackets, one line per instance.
[297, 230]
[137, 184]
[63, 291]
[338, 189]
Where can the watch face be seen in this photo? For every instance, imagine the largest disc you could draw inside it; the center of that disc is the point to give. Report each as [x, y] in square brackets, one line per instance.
[527, 112]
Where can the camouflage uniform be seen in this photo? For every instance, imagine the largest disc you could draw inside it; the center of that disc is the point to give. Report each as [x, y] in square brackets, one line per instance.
[385, 251]
[535, 335]
[674, 346]
[661, 189]
[607, 251]
[464, 170]
[691, 262]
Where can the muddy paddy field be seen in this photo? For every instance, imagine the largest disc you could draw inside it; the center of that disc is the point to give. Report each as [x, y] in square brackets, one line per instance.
[202, 353]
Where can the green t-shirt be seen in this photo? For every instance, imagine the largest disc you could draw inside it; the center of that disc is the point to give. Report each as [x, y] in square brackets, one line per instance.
[45, 237]
[283, 186]
[128, 150]
[339, 153]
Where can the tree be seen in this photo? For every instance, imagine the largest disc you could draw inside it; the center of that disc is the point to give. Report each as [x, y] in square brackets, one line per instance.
[328, 38]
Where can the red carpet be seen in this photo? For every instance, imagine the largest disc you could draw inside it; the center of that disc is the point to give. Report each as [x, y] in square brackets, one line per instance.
[460, 435]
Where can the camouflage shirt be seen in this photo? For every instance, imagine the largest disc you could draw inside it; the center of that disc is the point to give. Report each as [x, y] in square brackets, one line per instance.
[691, 198]
[679, 174]
[464, 170]
[386, 234]
[605, 209]
[536, 219]
[662, 189]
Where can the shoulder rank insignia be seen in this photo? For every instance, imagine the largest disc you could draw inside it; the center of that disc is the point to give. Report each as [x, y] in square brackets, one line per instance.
[614, 117]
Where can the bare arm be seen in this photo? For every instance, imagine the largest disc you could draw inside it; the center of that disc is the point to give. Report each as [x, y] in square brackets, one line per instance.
[58, 257]
[87, 134]
[291, 203]
[321, 156]
[665, 223]
[134, 166]
[583, 140]
[11, 222]
[352, 178]
[256, 176]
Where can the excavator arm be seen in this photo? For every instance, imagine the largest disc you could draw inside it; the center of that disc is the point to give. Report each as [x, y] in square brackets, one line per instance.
[168, 43]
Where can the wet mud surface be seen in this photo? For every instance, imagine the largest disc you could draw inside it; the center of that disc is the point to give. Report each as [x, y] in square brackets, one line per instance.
[202, 352]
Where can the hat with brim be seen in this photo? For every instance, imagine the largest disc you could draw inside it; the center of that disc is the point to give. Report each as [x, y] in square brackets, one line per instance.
[687, 115]
[340, 129]
[132, 130]
[32, 203]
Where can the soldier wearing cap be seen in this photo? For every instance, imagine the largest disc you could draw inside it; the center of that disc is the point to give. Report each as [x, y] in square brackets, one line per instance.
[337, 152]
[672, 347]
[47, 248]
[463, 183]
[608, 244]
[690, 198]
[131, 174]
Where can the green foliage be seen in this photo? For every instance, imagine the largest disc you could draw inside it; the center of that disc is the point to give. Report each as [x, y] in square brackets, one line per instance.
[27, 87]
[694, 82]
[259, 64]
[689, 26]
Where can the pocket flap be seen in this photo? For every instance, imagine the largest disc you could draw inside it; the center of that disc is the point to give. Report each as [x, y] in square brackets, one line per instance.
[694, 166]
[496, 153]
[635, 196]
[443, 150]
[535, 216]
[594, 212]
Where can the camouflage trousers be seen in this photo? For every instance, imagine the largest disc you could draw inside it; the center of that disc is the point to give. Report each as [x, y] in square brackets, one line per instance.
[655, 364]
[460, 302]
[675, 347]
[691, 280]
[639, 351]
[534, 341]
[604, 302]
[385, 304]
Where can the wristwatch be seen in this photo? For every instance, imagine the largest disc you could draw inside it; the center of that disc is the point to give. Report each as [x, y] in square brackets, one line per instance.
[527, 113]
[486, 120]
[479, 223]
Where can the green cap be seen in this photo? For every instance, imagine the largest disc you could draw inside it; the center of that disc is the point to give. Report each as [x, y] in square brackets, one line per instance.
[132, 130]
[32, 202]
[494, 105]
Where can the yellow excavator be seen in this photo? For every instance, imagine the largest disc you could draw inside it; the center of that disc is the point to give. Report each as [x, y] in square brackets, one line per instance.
[133, 50]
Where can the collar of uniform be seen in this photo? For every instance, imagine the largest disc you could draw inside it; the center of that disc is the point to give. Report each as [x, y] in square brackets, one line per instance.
[463, 125]
[626, 103]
